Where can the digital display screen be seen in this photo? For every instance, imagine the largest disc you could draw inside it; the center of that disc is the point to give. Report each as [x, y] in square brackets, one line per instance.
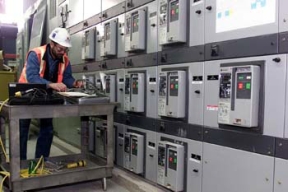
[135, 23]
[128, 22]
[239, 14]
[174, 11]
[107, 31]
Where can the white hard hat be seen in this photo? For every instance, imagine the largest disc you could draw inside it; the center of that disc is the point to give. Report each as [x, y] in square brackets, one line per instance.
[61, 36]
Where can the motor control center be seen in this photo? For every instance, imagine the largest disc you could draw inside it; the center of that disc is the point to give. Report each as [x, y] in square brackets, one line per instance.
[202, 87]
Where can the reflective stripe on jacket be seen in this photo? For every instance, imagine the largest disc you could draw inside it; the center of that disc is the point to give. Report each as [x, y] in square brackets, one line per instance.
[40, 52]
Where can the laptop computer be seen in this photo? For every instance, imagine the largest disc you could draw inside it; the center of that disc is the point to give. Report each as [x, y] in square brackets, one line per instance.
[15, 87]
[32, 94]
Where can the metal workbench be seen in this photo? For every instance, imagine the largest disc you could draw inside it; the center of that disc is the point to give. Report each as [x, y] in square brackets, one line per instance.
[94, 169]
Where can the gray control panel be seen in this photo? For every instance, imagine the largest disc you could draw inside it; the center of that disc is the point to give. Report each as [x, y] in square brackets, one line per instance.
[101, 141]
[135, 32]
[108, 42]
[239, 96]
[134, 92]
[88, 45]
[110, 82]
[172, 94]
[134, 152]
[127, 97]
[170, 171]
[172, 21]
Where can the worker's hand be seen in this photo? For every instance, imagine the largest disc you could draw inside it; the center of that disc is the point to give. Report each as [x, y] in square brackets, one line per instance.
[78, 84]
[58, 86]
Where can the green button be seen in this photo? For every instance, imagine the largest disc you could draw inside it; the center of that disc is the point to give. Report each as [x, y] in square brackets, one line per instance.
[176, 86]
[248, 86]
[175, 160]
[177, 10]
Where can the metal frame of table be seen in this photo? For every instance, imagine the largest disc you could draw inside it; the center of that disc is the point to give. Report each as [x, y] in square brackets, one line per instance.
[92, 171]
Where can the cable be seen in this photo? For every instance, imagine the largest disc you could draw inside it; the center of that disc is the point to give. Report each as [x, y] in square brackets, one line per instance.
[6, 174]
[4, 151]
[3, 103]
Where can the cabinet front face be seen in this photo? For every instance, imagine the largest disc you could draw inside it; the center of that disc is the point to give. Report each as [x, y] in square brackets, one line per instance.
[281, 175]
[226, 169]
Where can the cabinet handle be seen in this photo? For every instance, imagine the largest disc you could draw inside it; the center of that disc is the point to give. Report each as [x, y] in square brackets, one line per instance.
[209, 8]
[195, 170]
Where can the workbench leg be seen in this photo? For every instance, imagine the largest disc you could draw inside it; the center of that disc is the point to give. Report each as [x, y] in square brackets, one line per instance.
[104, 183]
[3, 137]
[84, 136]
[14, 149]
[110, 141]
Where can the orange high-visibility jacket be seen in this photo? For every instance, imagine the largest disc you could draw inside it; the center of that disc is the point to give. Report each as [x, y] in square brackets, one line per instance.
[40, 51]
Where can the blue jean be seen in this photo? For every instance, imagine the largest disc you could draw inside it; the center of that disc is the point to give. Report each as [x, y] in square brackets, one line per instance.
[44, 140]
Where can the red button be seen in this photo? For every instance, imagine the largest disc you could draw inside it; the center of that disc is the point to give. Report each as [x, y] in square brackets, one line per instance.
[172, 11]
[170, 159]
[240, 85]
[172, 86]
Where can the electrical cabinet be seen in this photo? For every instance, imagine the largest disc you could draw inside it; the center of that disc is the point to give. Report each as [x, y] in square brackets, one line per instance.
[253, 18]
[172, 21]
[63, 12]
[281, 175]
[162, 97]
[135, 32]
[110, 82]
[89, 83]
[20, 51]
[101, 140]
[134, 92]
[170, 171]
[172, 94]
[98, 82]
[88, 45]
[127, 92]
[91, 145]
[137, 92]
[134, 152]
[228, 169]
[239, 96]
[120, 145]
[273, 72]
[108, 42]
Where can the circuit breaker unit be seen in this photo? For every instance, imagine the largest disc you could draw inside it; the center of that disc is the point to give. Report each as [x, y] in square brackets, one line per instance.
[135, 37]
[110, 81]
[162, 97]
[170, 170]
[239, 95]
[135, 92]
[127, 96]
[134, 152]
[101, 141]
[98, 83]
[172, 21]
[108, 42]
[88, 45]
[172, 94]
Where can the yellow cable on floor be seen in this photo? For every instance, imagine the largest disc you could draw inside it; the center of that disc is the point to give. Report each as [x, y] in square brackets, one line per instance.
[3, 149]
[6, 174]
[3, 103]
[1, 142]
[25, 172]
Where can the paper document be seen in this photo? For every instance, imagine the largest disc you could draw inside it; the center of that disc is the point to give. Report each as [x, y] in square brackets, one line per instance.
[73, 94]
